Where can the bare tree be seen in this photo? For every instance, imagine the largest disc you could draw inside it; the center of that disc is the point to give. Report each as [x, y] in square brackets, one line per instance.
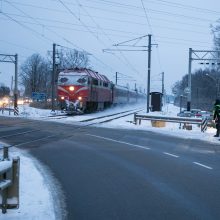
[35, 75]
[216, 34]
[205, 85]
[72, 59]
[4, 91]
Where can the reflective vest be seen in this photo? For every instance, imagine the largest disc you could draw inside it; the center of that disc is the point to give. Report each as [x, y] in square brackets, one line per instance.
[216, 113]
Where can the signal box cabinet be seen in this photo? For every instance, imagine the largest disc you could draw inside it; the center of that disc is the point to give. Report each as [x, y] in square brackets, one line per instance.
[156, 101]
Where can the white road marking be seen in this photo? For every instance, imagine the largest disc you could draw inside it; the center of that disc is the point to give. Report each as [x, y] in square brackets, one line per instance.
[28, 142]
[121, 142]
[202, 165]
[172, 155]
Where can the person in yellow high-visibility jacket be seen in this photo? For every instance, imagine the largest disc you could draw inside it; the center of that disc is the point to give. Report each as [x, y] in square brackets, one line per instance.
[216, 117]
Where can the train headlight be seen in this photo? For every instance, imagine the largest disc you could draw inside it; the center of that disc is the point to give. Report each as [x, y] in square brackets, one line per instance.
[62, 97]
[71, 88]
[79, 98]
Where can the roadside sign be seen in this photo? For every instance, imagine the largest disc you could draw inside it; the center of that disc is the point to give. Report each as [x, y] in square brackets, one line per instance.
[38, 96]
[187, 90]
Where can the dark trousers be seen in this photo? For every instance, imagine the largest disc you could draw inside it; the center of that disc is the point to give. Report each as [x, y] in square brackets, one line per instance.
[217, 125]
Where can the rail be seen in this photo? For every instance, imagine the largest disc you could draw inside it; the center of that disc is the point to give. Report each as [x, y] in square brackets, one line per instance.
[199, 121]
[9, 182]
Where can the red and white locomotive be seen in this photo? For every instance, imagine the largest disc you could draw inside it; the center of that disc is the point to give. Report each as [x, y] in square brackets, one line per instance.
[83, 90]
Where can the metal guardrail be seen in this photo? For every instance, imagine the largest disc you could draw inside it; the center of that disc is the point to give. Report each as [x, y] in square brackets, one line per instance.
[9, 182]
[2, 109]
[199, 121]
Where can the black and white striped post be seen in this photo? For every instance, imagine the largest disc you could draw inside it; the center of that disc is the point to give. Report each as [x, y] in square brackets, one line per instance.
[16, 111]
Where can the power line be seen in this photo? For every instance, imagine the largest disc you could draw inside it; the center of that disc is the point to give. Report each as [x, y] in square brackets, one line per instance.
[108, 29]
[99, 27]
[125, 21]
[41, 24]
[163, 2]
[189, 7]
[59, 27]
[73, 14]
[148, 21]
[120, 12]
[26, 27]
[121, 21]
[43, 35]
[156, 26]
[17, 45]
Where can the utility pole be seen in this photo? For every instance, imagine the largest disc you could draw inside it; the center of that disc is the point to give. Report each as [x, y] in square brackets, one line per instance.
[53, 78]
[13, 59]
[12, 85]
[163, 83]
[136, 40]
[116, 78]
[148, 72]
[16, 86]
[189, 95]
[198, 55]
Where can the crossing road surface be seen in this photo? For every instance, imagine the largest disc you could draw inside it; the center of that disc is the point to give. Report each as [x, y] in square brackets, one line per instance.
[124, 174]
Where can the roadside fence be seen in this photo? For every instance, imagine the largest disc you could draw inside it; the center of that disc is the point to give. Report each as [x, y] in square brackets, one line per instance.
[3, 109]
[9, 181]
[187, 122]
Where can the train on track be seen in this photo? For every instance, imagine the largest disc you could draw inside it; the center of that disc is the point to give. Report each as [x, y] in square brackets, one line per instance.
[84, 90]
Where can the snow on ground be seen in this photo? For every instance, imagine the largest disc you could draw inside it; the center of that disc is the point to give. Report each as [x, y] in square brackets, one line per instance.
[36, 198]
[124, 123]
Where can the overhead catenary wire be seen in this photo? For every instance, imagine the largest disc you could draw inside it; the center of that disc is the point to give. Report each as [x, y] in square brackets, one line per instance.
[72, 13]
[79, 30]
[43, 36]
[180, 41]
[160, 2]
[105, 5]
[148, 21]
[117, 20]
[121, 12]
[110, 40]
[108, 29]
[173, 4]
[19, 46]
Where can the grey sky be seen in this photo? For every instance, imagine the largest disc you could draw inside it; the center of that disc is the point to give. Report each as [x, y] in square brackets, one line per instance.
[29, 26]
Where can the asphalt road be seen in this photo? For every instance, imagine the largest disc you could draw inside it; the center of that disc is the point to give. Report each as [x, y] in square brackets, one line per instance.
[123, 174]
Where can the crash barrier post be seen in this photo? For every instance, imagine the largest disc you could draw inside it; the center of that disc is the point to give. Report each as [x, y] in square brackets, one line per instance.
[203, 123]
[9, 181]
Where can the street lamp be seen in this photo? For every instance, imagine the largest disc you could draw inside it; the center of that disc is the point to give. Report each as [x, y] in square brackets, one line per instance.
[216, 84]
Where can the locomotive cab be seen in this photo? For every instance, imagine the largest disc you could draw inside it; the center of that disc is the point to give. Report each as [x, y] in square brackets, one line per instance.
[72, 90]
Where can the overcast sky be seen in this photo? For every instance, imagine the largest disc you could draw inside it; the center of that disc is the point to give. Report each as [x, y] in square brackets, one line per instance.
[29, 26]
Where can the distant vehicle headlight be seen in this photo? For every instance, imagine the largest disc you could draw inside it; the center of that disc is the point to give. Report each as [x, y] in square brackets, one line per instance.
[20, 102]
[80, 98]
[6, 100]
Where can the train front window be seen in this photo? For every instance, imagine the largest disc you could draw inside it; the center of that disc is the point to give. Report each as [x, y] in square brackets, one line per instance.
[73, 80]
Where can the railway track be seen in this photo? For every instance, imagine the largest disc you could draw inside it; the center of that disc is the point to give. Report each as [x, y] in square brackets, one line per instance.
[105, 116]
[111, 117]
